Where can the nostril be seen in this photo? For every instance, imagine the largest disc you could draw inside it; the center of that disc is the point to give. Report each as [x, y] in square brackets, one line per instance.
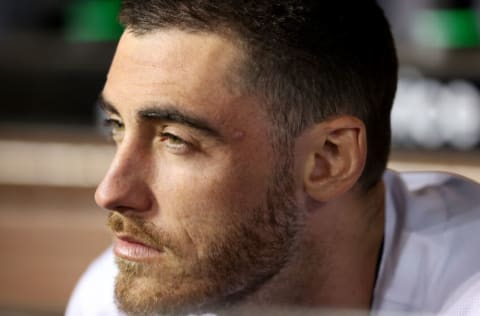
[122, 209]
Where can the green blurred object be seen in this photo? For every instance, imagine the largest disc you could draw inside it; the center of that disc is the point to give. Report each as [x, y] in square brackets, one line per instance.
[93, 20]
[447, 28]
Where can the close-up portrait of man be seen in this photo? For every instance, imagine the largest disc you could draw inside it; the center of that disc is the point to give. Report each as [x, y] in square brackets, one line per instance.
[252, 139]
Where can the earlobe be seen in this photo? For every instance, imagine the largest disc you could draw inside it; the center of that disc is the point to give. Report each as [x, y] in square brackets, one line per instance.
[336, 153]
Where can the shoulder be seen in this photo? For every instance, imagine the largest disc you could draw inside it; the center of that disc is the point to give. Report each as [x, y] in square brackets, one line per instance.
[428, 200]
[94, 292]
[431, 247]
[432, 206]
[418, 182]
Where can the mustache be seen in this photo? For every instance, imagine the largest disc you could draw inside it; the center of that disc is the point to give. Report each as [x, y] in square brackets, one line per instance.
[140, 229]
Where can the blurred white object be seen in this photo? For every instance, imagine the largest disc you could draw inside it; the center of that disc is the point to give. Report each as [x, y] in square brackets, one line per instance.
[414, 115]
[429, 114]
[459, 109]
[400, 118]
[423, 115]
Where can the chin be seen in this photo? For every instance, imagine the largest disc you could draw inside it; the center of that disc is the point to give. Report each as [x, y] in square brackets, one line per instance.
[143, 289]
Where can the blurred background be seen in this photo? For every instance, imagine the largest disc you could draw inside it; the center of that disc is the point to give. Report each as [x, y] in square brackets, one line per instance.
[54, 55]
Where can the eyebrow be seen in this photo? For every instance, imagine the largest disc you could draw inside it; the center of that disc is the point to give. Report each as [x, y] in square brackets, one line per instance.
[106, 106]
[166, 113]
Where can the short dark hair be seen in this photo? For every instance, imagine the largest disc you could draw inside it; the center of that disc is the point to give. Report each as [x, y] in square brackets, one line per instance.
[310, 59]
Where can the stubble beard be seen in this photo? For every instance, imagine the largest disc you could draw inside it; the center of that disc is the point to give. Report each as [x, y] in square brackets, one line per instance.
[251, 253]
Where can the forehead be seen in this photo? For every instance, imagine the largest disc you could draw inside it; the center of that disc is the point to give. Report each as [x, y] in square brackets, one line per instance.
[177, 67]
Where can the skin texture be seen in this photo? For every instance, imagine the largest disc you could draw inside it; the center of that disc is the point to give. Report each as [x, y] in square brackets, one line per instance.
[225, 219]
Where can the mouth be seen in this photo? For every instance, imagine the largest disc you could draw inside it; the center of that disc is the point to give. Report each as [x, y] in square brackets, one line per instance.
[130, 248]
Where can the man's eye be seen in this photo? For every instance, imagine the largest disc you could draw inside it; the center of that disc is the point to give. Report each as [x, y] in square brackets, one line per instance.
[113, 123]
[175, 143]
[114, 126]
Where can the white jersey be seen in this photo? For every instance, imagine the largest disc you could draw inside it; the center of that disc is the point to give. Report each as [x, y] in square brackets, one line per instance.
[432, 239]
[430, 260]
[94, 293]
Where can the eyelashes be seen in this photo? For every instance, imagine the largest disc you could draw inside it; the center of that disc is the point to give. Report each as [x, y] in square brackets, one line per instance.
[112, 123]
[169, 140]
[175, 143]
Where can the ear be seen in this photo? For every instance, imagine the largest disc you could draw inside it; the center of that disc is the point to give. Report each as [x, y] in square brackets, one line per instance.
[334, 154]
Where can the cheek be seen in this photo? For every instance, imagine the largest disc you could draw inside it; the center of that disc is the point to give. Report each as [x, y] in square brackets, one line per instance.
[202, 204]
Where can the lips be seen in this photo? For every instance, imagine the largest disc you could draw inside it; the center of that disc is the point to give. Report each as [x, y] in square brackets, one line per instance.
[129, 248]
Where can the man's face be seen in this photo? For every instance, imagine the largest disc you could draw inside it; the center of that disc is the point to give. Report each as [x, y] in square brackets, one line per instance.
[202, 211]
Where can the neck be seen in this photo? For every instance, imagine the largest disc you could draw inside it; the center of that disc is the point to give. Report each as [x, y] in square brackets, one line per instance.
[336, 261]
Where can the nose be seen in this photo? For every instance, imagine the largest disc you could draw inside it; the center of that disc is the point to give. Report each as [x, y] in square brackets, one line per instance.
[125, 186]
